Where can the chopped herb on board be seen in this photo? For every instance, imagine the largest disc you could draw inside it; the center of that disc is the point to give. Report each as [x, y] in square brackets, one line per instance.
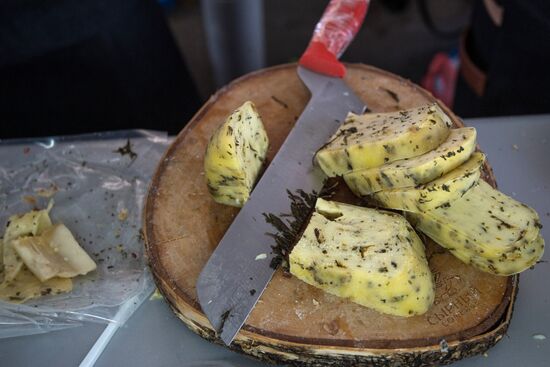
[126, 150]
[289, 227]
[279, 101]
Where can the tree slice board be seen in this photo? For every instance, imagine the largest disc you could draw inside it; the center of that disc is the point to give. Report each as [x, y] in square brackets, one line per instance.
[294, 323]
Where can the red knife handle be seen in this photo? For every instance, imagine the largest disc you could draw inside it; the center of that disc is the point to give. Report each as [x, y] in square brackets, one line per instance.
[333, 34]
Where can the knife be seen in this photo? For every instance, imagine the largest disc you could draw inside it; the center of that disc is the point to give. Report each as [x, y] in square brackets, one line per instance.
[239, 270]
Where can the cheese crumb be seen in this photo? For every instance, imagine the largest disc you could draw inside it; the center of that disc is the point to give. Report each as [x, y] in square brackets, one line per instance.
[261, 257]
[123, 214]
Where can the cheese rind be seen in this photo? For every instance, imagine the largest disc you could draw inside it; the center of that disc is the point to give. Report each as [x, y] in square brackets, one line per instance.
[438, 193]
[487, 229]
[410, 172]
[235, 155]
[372, 257]
[373, 139]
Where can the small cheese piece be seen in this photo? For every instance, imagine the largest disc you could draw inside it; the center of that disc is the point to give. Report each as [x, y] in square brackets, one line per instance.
[26, 286]
[486, 228]
[31, 223]
[373, 139]
[438, 193]
[235, 155]
[55, 253]
[410, 172]
[372, 257]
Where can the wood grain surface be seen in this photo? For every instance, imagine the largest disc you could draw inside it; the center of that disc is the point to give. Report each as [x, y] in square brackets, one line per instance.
[294, 322]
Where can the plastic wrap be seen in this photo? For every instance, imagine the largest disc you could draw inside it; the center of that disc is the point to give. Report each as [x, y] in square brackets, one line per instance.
[98, 183]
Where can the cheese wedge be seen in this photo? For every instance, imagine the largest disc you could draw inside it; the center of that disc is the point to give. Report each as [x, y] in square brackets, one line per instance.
[372, 257]
[486, 228]
[53, 254]
[235, 155]
[31, 223]
[438, 193]
[410, 172]
[373, 139]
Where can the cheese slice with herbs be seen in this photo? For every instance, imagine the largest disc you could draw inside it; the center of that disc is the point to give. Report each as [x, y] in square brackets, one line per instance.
[487, 229]
[372, 257]
[410, 172]
[435, 194]
[235, 155]
[31, 223]
[26, 286]
[373, 139]
[55, 253]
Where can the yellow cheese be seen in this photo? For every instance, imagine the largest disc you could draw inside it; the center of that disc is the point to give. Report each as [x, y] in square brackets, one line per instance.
[31, 223]
[438, 193]
[55, 253]
[410, 172]
[486, 228]
[235, 155]
[372, 257]
[524, 255]
[373, 139]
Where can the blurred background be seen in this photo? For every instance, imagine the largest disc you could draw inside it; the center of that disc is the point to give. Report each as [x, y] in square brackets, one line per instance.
[394, 36]
[78, 66]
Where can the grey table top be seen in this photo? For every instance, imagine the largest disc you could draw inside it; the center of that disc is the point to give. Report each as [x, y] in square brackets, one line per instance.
[519, 151]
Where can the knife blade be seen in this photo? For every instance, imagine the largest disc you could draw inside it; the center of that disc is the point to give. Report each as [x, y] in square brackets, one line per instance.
[239, 270]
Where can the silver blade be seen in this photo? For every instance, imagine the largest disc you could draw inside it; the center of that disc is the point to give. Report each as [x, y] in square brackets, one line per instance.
[238, 271]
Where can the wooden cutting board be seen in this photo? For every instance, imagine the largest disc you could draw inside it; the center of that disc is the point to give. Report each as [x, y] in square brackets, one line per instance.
[293, 322]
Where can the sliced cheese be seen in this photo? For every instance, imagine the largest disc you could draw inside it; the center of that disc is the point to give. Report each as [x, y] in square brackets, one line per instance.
[410, 172]
[372, 257]
[235, 155]
[55, 253]
[438, 193]
[26, 286]
[373, 139]
[31, 223]
[524, 256]
[486, 228]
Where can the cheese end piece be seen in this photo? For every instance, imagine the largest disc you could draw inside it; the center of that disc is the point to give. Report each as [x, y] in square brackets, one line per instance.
[374, 139]
[487, 229]
[411, 172]
[235, 155]
[374, 258]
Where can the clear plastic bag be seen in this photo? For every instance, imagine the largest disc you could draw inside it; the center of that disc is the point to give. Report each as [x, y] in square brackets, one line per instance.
[98, 183]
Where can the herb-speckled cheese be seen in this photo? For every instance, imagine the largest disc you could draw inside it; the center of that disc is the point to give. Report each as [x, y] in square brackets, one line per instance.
[372, 257]
[373, 139]
[487, 229]
[235, 155]
[29, 224]
[410, 172]
[438, 193]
